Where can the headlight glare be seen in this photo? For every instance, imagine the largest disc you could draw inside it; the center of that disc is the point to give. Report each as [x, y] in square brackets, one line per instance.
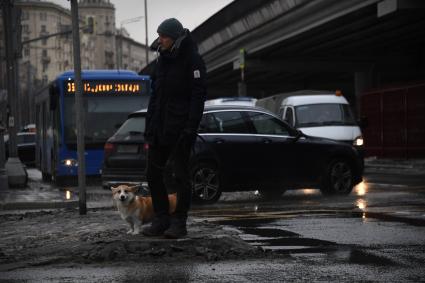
[358, 141]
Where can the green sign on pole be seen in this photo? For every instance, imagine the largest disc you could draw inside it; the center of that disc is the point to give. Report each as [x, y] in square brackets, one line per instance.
[242, 58]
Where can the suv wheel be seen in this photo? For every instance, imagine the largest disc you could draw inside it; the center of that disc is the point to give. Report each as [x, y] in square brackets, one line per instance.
[338, 178]
[205, 183]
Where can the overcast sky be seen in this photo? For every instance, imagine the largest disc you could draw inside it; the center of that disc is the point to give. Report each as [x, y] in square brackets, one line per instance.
[190, 13]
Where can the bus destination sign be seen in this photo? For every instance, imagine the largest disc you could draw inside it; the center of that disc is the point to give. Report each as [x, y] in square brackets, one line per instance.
[102, 87]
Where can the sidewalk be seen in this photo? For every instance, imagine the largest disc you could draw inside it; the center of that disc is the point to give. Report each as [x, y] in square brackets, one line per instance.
[397, 166]
[40, 195]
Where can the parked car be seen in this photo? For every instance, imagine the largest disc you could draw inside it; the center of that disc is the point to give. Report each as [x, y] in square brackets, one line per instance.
[242, 148]
[232, 100]
[25, 142]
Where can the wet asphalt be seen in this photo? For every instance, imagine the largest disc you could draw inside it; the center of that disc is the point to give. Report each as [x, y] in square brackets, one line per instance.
[374, 234]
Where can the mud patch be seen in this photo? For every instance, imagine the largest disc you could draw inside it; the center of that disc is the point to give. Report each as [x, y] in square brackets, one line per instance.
[46, 238]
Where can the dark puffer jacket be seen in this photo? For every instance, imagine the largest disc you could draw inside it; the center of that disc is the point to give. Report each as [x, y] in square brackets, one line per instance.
[178, 93]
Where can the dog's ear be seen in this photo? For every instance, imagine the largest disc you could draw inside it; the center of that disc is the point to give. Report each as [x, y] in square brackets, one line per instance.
[133, 188]
[114, 189]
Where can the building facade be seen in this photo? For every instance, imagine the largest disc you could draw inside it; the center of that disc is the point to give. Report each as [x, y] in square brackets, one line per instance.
[130, 53]
[44, 58]
[103, 37]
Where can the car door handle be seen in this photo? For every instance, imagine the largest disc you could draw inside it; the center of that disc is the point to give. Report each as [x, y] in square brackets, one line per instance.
[266, 140]
[219, 141]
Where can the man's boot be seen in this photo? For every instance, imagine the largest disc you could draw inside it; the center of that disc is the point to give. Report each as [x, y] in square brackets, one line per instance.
[177, 227]
[159, 224]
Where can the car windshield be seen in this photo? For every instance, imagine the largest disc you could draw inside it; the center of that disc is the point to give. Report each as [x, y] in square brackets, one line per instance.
[316, 115]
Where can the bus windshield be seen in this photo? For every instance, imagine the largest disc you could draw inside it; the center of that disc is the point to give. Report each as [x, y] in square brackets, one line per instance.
[316, 115]
[104, 115]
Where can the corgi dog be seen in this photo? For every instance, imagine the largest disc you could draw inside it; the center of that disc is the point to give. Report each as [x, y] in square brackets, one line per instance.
[136, 210]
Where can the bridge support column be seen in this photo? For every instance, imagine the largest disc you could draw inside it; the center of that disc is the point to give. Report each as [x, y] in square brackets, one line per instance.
[362, 81]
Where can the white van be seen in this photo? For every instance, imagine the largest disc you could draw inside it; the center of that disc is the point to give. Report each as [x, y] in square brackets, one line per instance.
[326, 115]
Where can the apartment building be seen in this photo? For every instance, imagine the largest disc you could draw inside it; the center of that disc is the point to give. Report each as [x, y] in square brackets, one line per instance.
[103, 36]
[131, 55]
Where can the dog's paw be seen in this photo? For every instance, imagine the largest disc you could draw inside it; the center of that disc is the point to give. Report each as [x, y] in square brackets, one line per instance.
[130, 232]
[135, 233]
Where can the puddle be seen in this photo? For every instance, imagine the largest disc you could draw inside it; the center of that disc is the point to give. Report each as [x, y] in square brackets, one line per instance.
[254, 232]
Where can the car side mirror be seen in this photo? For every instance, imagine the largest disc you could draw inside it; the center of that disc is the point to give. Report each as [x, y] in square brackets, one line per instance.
[298, 134]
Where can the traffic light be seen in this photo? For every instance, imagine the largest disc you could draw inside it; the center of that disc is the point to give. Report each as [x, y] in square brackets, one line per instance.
[90, 25]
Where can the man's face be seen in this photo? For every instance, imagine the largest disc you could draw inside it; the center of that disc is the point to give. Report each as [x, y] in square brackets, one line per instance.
[165, 42]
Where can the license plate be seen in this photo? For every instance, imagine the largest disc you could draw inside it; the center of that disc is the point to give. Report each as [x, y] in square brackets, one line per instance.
[127, 148]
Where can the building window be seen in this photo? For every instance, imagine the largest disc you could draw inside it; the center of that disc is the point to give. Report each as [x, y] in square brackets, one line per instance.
[44, 41]
[26, 52]
[44, 53]
[25, 16]
[44, 79]
[43, 28]
[25, 28]
[43, 16]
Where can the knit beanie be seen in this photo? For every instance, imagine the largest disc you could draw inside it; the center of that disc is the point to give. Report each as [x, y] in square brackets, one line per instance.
[171, 27]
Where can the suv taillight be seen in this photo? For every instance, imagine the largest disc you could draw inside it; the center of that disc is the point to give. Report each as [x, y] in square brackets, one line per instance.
[109, 148]
[145, 147]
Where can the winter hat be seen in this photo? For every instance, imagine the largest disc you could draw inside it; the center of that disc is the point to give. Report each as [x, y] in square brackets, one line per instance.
[171, 27]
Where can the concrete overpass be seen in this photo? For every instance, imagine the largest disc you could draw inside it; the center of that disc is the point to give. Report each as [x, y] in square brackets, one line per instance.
[350, 45]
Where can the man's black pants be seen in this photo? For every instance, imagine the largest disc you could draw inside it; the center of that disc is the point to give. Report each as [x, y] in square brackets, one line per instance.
[168, 172]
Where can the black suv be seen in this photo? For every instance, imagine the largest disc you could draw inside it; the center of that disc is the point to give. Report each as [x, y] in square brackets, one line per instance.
[241, 148]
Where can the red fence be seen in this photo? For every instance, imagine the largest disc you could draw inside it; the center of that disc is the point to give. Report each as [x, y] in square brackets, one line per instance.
[396, 121]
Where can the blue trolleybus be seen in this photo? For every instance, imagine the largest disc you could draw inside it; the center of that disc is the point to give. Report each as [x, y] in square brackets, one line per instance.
[108, 95]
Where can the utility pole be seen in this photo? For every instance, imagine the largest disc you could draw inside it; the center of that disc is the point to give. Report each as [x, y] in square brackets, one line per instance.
[29, 101]
[4, 184]
[15, 171]
[146, 32]
[79, 108]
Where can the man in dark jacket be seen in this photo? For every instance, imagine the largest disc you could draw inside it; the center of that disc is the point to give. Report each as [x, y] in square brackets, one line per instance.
[174, 112]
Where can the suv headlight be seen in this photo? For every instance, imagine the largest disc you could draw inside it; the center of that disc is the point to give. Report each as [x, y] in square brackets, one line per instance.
[358, 141]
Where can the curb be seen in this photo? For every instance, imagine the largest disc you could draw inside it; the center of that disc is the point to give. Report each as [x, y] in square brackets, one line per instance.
[38, 205]
[22, 206]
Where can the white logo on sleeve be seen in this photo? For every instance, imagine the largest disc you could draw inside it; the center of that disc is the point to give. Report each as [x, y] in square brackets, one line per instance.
[196, 74]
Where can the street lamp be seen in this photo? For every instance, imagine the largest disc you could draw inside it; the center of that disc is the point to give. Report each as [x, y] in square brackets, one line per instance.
[146, 33]
[122, 23]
